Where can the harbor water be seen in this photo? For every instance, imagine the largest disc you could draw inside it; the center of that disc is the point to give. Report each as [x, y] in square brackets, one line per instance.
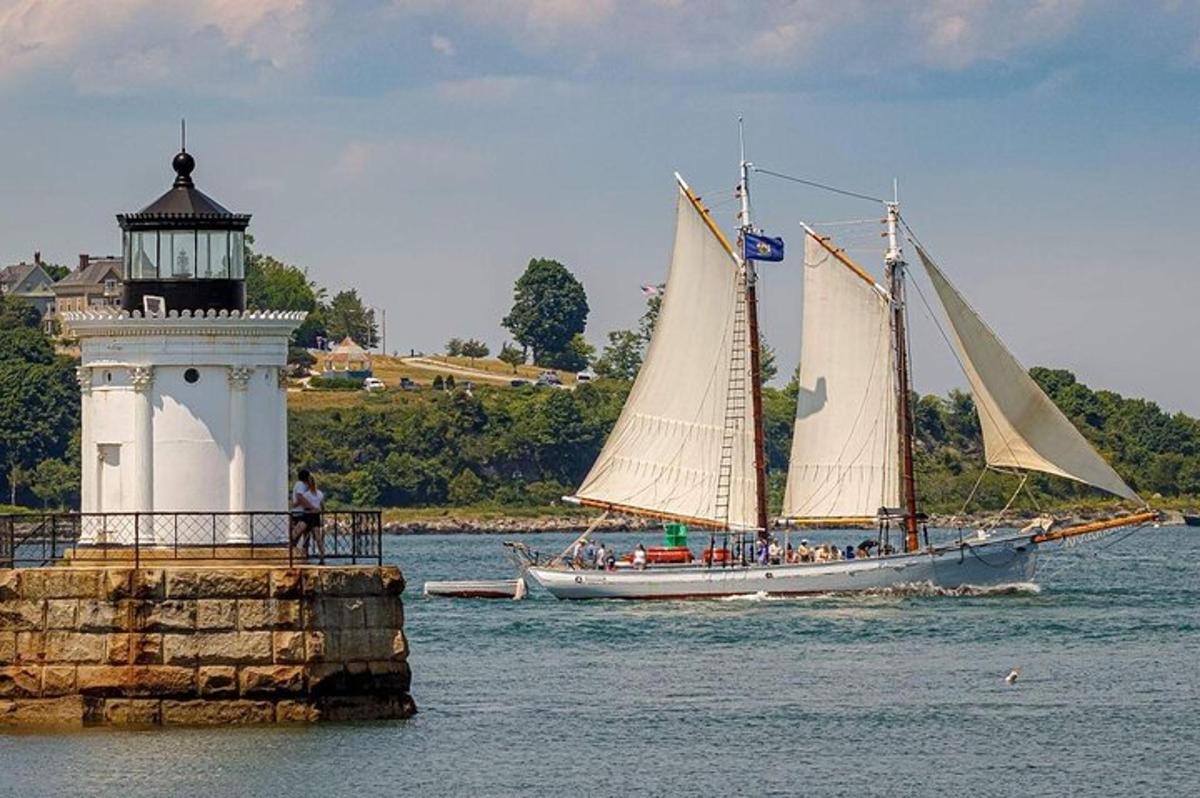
[893, 694]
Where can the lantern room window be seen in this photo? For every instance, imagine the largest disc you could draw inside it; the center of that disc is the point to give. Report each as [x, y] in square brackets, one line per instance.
[185, 248]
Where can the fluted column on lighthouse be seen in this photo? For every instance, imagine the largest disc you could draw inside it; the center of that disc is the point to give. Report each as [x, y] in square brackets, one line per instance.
[88, 487]
[142, 380]
[239, 382]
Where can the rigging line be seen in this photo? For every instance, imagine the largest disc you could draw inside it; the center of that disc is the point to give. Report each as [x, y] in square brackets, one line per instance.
[844, 223]
[814, 184]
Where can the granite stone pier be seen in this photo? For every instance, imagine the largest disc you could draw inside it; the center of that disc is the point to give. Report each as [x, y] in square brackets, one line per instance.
[186, 644]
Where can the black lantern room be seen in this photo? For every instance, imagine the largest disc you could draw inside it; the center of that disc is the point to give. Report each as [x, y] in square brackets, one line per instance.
[185, 248]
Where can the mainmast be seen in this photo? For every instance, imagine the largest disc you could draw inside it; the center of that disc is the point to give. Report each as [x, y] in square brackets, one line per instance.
[894, 260]
[751, 280]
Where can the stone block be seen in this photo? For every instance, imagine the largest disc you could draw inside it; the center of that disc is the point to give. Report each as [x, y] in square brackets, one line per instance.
[288, 647]
[351, 581]
[57, 712]
[383, 612]
[149, 584]
[294, 712]
[136, 680]
[399, 646]
[147, 649]
[286, 583]
[217, 681]
[21, 614]
[392, 580]
[358, 707]
[209, 713]
[20, 681]
[233, 583]
[58, 680]
[390, 676]
[133, 711]
[314, 646]
[75, 647]
[31, 646]
[271, 680]
[103, 616]
[118, 649]
[216, 614]
[181, 649]
[255, 614]
[10, 584]
[170, 616]
[64, 583]
[326, 678]
[60, 613]
[235, 648]
[8, 648]
[117, 584]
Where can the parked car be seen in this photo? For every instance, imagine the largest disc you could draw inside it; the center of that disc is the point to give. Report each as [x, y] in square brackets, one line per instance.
[408, 385]
[585, 376]
[518, 382]
[467, 385]
[373, 384]
[549, 378]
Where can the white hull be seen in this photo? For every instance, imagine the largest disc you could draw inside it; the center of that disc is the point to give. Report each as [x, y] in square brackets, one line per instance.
[1003, 561]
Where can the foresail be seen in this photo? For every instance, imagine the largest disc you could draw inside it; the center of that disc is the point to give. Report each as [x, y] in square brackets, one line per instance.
[844, 449]
[1022, 427]
[664, 454]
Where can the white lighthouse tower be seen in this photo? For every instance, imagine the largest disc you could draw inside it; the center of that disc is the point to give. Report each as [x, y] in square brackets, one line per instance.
[184, 404]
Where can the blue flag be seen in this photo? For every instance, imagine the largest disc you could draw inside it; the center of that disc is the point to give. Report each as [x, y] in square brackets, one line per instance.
[762, 247]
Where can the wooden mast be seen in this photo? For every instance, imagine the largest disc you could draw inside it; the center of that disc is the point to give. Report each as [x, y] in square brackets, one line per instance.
[895, 269]
[751, 276]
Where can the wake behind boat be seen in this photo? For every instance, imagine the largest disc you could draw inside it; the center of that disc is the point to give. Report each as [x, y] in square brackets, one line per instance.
[688, 445]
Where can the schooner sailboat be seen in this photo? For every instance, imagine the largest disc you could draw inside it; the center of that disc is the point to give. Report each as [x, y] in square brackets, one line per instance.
[688, 445]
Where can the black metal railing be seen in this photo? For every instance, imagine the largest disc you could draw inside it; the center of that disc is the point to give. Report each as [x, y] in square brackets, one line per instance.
[38, 539]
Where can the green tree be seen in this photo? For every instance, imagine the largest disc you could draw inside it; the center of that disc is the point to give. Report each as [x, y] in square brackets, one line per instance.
[15, 313]
[622, 356]
[274, 285]
[347, 317]
[767, 370]
[55, 483]
[549, 308]
[466, 488]
[56, 271]
[474, 348]
[512, 355]
[576, 357]
[454, 347]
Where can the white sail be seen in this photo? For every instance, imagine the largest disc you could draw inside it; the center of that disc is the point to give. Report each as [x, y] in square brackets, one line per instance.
[845, 448]
[1022, 427]
[664, 454]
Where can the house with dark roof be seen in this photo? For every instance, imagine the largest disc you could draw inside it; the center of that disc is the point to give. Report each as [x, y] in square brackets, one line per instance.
[96, 283]
[29, 281]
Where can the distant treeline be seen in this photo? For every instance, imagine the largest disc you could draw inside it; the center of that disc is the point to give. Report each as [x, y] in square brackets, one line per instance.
[531, 445]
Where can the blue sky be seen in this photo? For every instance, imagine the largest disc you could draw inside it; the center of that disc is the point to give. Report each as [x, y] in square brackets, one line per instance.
[1048, 151]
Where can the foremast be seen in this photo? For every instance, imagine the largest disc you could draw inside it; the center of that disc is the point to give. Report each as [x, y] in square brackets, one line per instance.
[751, 299]
[895, 266]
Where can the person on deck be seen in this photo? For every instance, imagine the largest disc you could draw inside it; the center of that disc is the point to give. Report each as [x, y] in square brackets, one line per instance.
[639, 557]
[773, 552]
[601, 557]
[804, 553]
[790, 555]
[849, 552]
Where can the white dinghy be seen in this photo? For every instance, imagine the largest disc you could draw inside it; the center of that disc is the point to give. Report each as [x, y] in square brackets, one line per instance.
[513, 589]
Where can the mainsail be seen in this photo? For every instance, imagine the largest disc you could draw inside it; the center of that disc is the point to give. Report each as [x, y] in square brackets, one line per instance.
[664, 456]
[844, 450]
[1022, 427]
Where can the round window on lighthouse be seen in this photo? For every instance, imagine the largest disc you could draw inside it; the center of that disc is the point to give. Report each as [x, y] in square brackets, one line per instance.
[191, 375]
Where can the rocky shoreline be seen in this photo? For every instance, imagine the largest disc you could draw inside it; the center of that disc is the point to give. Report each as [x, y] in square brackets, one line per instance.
[567, 522]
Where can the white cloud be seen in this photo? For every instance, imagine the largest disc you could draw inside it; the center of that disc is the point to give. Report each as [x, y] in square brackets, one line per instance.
[113, 45]
[442, 44]
[955, 34]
